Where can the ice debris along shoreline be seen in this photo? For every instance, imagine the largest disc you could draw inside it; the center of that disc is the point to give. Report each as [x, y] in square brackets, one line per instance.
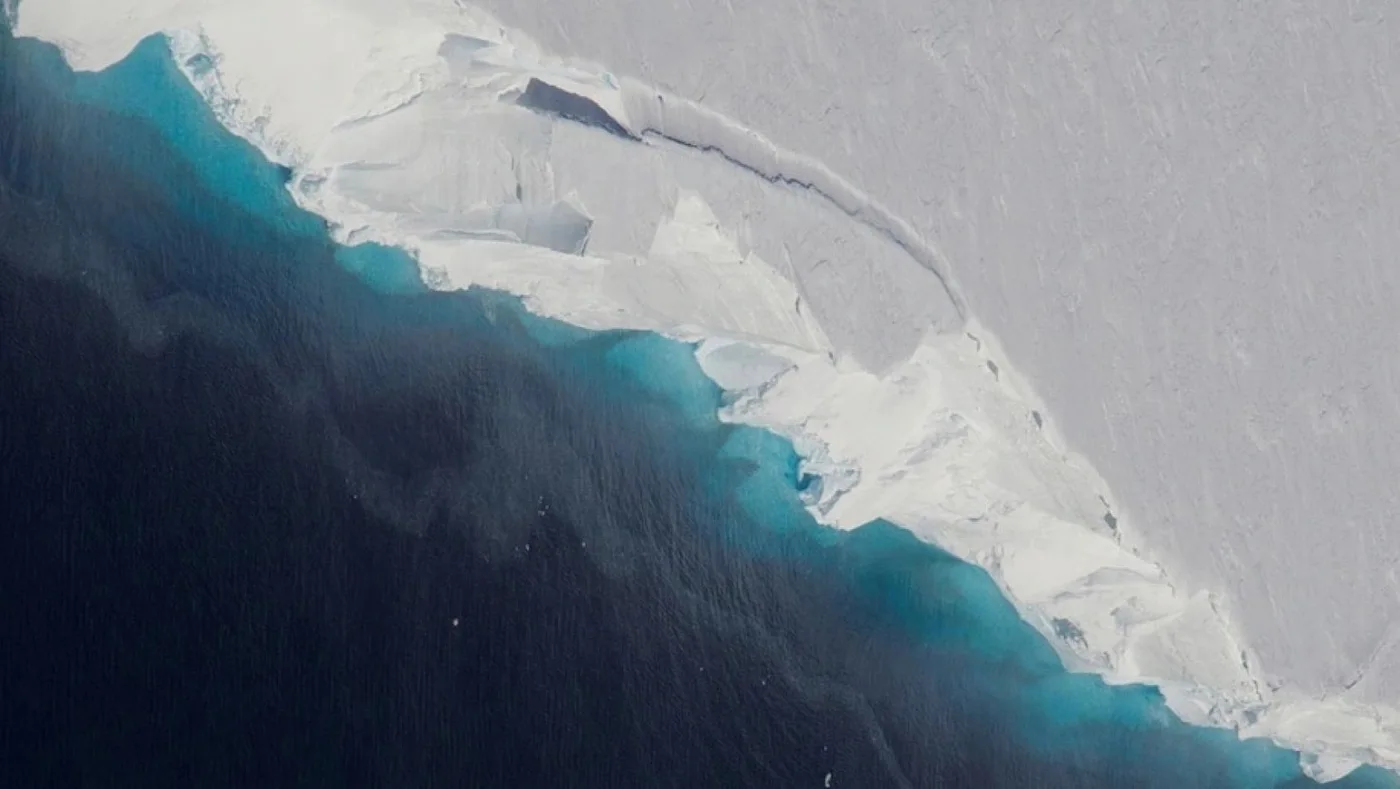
[430, 127]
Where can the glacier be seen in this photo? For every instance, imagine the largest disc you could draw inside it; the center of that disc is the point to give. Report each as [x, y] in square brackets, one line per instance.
[611, 203]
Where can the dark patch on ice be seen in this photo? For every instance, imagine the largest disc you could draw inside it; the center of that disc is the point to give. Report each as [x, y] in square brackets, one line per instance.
[996, 372]
[1069, 631]
[1112, 520]
[1109, 518]
[545, 98]
[1039, 420]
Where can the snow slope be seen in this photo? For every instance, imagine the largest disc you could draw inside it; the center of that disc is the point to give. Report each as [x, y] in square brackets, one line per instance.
[609, 202]
[1178, 216]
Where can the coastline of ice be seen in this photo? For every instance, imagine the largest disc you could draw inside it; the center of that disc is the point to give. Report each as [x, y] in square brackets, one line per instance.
[393, 140]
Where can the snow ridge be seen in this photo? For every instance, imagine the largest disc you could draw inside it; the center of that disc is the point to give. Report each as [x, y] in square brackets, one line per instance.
[684, 122]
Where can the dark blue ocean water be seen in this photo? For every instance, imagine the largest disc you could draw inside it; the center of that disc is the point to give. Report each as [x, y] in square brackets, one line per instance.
[271, 514]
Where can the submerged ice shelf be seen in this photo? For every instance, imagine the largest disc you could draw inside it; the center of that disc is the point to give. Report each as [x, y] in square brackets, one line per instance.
[435, 129]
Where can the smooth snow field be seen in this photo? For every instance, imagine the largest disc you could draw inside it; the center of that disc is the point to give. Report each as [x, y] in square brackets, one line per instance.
[1099, 297]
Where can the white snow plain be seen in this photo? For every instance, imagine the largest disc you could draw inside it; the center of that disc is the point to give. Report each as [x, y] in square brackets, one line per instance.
[833, 320]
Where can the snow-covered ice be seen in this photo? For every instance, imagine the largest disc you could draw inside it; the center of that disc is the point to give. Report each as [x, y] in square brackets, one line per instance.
[807, 226]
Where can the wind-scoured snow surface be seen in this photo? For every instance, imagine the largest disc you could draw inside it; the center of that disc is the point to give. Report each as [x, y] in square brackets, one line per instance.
[829, 316]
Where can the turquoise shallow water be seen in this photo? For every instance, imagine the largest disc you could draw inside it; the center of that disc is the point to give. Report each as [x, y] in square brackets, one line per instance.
[878, 640]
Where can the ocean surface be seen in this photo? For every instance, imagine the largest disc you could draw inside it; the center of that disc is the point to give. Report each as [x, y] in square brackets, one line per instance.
[273, 514]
